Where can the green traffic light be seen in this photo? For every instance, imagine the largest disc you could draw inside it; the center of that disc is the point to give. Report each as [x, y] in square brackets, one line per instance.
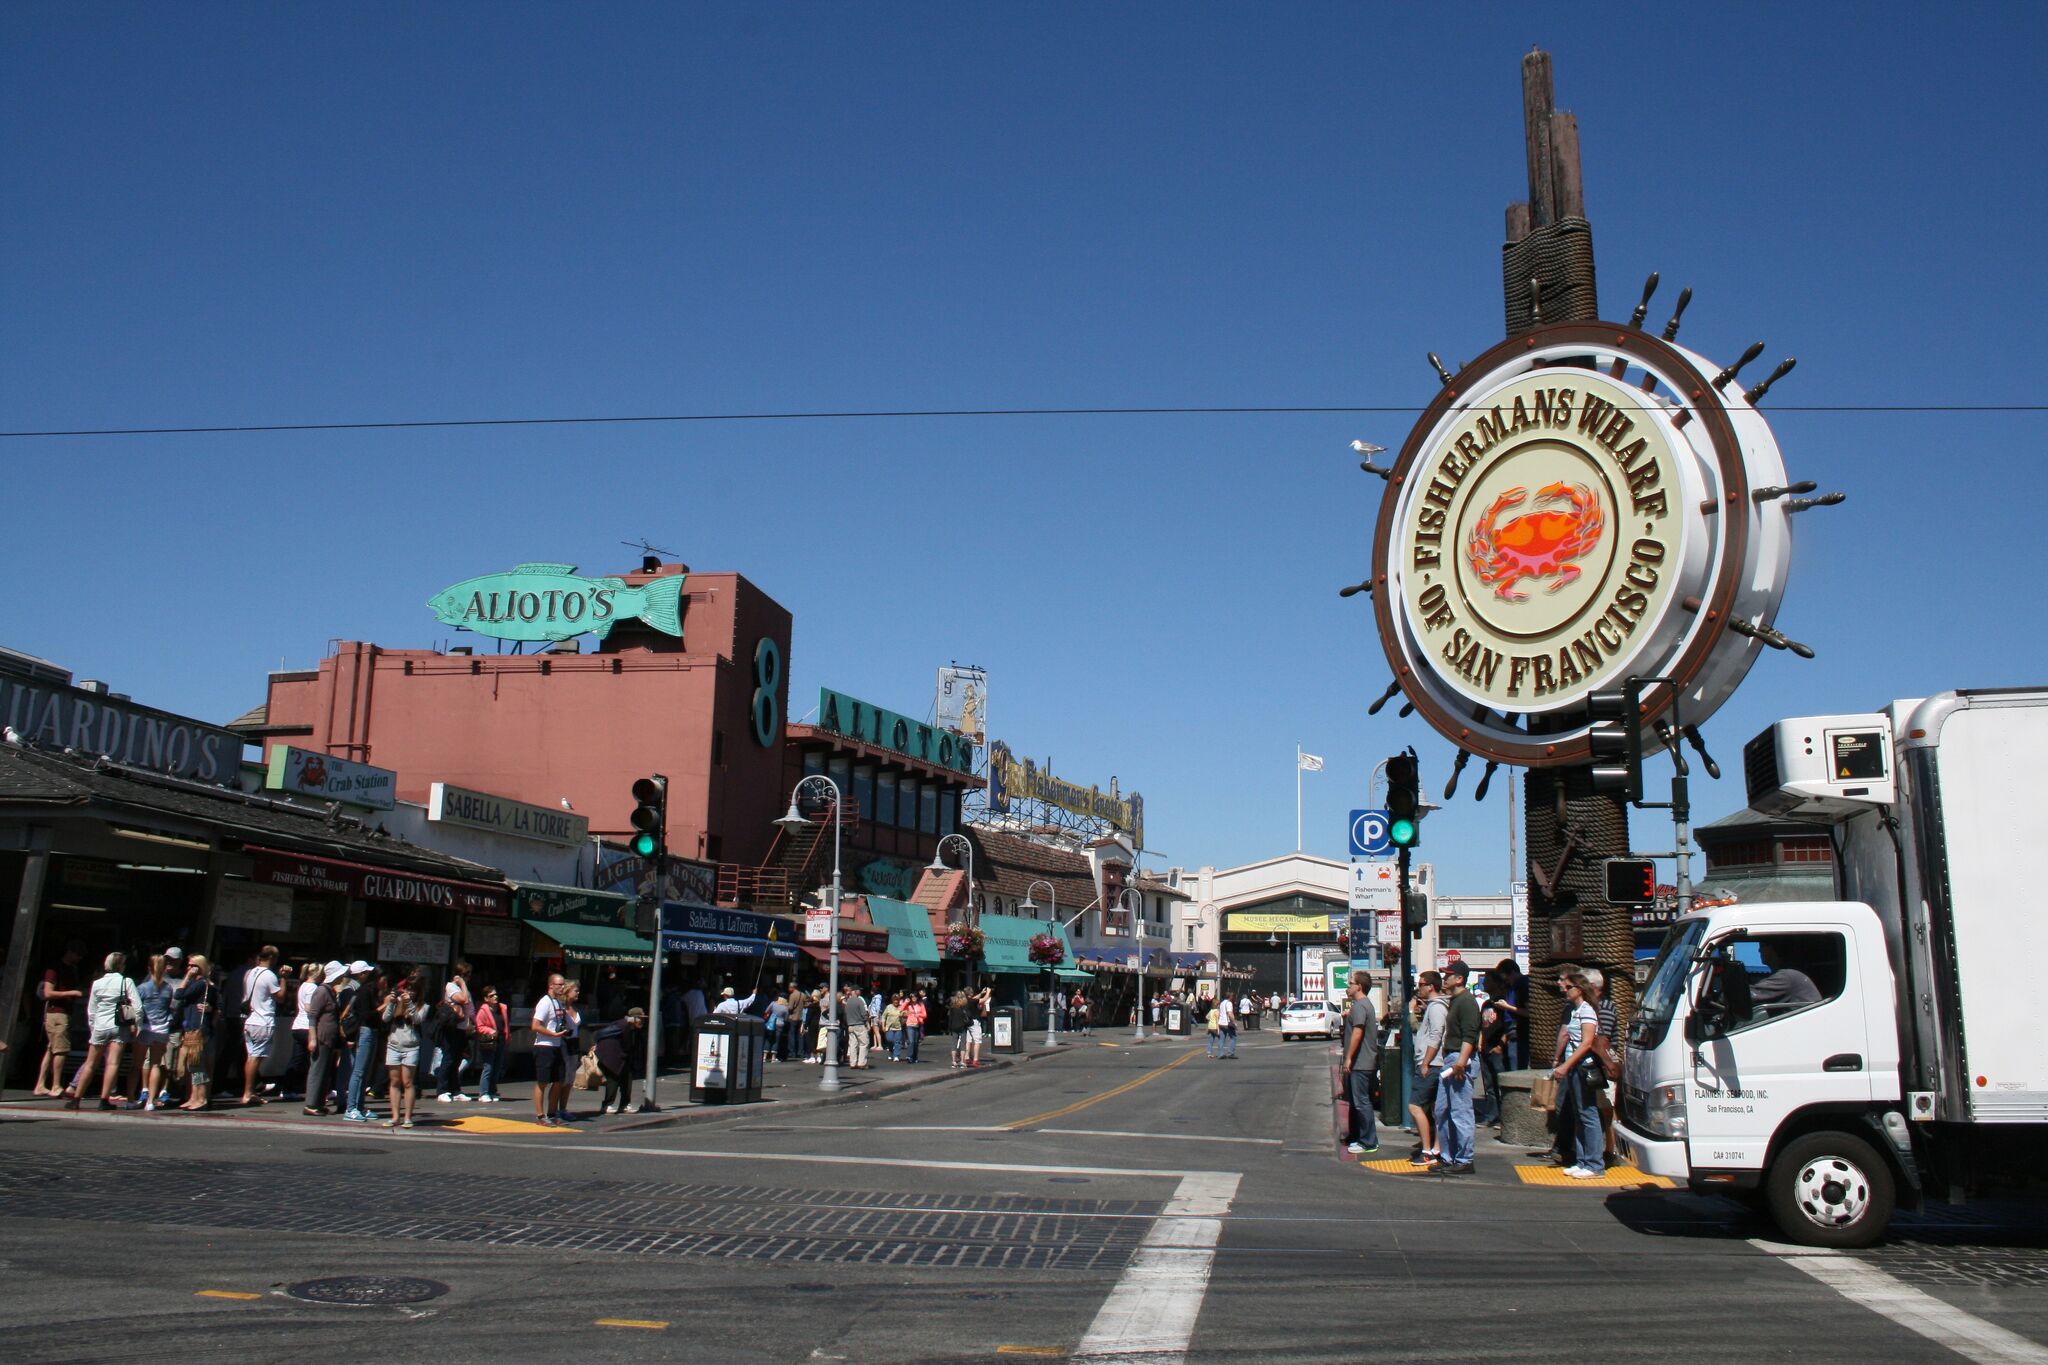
[1401, 833]
[644, 845]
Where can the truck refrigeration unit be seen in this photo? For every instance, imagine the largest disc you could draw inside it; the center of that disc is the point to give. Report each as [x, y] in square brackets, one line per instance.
[1836, 1059]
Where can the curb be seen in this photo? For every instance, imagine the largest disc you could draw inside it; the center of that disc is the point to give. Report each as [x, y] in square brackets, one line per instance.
[704, 1113]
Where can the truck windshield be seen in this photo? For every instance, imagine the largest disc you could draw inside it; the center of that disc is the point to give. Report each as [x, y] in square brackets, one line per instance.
[1667, 982]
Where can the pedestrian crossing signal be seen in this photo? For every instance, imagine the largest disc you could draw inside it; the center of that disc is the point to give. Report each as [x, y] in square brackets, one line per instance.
[1631, 881]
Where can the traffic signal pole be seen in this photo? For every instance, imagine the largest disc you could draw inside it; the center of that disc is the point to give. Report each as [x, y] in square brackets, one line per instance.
[650, 818]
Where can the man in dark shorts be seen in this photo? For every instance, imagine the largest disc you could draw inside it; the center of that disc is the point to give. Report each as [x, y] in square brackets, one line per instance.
[550, 1064]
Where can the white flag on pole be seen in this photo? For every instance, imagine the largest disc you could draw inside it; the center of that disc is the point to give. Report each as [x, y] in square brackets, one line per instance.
[1310, 763]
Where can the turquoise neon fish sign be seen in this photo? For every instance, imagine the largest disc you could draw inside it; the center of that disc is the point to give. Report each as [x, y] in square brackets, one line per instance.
[549, 602]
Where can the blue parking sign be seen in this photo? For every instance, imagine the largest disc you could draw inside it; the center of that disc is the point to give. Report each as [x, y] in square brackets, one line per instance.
[1369, 834]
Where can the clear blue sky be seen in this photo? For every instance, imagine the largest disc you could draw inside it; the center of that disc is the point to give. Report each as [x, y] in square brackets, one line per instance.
[258, 214]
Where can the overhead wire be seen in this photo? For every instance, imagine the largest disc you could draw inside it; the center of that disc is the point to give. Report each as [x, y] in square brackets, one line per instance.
[250, 428]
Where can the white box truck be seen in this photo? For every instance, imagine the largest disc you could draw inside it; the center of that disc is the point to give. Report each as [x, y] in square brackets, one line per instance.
[1835, 1059]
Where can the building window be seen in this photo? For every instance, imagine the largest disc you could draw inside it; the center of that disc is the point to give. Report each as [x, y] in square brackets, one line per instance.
[949, 811]
[840, 769]
[1468, 937]
[885, 798]
[864, 791]
[1806, 849]
[814, 762]
[907, 803]
[928, 809]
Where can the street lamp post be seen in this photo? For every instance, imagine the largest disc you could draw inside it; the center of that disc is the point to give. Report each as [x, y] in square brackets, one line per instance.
[938, 865]
[792, 821]
[1138, 931]
[1052, 918]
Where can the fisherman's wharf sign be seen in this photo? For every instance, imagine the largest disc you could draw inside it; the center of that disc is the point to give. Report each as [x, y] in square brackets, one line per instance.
[1573, 509]
[1540, 540]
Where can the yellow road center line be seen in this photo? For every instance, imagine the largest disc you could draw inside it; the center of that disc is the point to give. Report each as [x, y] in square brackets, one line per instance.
[648, 1324]
[1029, 1351]
[225, 1294]
[1154, 1074]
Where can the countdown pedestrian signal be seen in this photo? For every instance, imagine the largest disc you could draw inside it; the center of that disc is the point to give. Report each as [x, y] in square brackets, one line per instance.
[650, 816]
[1404, 800]
[1631, 881]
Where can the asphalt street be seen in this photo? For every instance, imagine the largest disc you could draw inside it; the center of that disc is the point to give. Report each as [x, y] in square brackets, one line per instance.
[1110, 1202]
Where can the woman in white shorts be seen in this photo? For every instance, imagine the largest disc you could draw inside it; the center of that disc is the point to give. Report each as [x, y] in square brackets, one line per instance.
[103, 1009]
[405, 1009]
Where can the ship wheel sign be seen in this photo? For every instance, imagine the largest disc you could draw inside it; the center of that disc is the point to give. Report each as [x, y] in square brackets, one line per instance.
[1582, 503]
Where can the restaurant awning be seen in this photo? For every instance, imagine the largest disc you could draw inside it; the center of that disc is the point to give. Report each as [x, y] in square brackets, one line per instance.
[856, 960]
[911, 940]
[1006, 944]
[599, 944]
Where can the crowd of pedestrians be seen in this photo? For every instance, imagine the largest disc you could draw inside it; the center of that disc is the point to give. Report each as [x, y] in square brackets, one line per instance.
[1458, 1039]
[336, 1037]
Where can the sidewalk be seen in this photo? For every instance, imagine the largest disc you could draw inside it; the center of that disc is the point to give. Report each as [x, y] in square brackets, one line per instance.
[786, 1086]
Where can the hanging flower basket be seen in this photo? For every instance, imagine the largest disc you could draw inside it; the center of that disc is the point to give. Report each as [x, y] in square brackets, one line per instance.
[1048, 951]
[962, 941]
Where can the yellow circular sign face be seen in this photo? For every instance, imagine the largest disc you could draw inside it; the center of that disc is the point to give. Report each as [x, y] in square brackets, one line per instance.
[1540, 540]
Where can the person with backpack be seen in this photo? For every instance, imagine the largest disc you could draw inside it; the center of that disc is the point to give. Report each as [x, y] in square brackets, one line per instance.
[262, 989]
[112, 1010]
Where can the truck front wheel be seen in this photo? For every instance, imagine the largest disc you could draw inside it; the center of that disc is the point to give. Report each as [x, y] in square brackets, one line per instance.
[1830, 1190]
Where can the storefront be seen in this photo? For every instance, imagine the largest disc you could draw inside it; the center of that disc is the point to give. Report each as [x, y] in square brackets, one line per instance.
[392, 918]
[116, 858]
[712, 948]
[1014, 977]
[587, 937]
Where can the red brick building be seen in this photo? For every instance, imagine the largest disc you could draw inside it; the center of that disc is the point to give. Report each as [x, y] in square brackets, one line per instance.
[706, 709]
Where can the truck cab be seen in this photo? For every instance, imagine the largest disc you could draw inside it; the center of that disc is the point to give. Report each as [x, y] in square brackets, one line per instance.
[1836, 1058]
[1761, 1027]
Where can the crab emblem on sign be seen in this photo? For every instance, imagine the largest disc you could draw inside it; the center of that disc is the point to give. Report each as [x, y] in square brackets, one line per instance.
[1538, 544]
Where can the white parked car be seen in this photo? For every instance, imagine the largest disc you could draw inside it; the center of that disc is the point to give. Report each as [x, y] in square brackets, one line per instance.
[1310, 1019]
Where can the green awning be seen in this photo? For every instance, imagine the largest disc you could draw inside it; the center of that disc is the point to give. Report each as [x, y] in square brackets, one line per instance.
[1006, 944]
[911, 940]
[599, 944]
[1069, 974]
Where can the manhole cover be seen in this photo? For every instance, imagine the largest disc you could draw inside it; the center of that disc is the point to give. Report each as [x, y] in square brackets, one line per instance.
[348, 1151]
[367, 1291]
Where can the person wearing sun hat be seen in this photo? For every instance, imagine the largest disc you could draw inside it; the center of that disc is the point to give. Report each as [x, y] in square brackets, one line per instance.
[323, 1036]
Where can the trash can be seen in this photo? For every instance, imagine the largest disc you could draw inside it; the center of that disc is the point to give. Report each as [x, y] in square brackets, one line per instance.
[730, 1055]
[1179, 1019]
[1007, 1029]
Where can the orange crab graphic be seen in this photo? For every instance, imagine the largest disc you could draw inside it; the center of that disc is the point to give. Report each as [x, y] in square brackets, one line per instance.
[1541, 543]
